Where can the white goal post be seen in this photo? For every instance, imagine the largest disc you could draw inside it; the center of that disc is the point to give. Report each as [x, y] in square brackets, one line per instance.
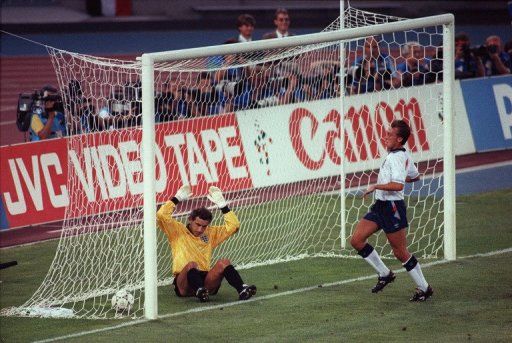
[290, 129]
[148, 110]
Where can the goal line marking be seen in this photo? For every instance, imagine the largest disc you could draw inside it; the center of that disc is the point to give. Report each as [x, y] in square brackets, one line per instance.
[270, 296]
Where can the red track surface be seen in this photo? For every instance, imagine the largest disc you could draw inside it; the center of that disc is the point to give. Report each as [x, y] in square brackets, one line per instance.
[42, 232]
[20, 75]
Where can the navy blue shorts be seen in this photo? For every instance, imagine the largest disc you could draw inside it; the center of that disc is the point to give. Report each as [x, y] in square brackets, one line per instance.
[390, 215]
[175, 286]
[203, 276]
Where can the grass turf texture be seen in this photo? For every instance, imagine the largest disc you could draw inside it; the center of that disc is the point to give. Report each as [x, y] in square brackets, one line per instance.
[472, 298]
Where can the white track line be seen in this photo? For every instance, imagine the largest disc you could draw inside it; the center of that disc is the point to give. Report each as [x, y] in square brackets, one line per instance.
[8, 122]
[484, 166]
[270, 296]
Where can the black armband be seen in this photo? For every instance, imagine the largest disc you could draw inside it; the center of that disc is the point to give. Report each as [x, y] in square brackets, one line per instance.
[175, 200]
[225, 210]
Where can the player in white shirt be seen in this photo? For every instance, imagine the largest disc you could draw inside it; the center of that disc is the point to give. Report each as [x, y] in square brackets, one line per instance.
[389, 214]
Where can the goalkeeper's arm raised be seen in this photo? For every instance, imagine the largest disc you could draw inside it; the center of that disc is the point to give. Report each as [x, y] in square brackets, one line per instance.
[182, 194]
[163, 215]
[215, 195]
[231, 222]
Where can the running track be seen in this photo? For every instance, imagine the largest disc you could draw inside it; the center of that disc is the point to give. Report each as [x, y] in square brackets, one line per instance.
[23, 74]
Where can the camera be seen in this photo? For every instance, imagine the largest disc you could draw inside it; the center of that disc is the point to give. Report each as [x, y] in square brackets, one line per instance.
[120, 103]
[479, 51]
[278, 83]
[26, 104]
[492, 49]
[49, 93]
[233, 88]
[26, 101]
[127, 99]
[30, 102]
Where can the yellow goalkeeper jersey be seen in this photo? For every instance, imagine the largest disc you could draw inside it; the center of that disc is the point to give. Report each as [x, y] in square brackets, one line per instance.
[186, 247]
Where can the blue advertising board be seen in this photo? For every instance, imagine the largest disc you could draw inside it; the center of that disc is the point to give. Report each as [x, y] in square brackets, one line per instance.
[489, 107]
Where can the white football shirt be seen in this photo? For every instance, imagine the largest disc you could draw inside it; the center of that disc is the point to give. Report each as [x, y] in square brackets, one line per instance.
[396, 167]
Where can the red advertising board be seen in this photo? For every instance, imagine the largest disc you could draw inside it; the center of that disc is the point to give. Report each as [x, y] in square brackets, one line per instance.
[105, 169]
[33, 182]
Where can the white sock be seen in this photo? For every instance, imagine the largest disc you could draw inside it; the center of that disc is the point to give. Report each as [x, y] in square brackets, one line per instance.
[374, 260]
[417, 275]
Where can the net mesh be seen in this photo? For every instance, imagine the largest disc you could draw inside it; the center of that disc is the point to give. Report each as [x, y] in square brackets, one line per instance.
[265, 127]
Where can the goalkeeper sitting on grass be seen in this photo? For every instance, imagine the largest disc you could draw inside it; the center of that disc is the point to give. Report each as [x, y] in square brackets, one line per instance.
[192, 247]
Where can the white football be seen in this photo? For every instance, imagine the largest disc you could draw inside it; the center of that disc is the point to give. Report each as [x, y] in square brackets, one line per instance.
[122, 301]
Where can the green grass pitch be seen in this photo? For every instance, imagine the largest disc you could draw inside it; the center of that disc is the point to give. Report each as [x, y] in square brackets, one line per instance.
[472, 299]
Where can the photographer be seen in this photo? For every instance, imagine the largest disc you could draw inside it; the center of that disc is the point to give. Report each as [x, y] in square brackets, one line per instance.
[467, 63]
[416, 65]
[372, 71]
[48, 120]
[495, 60]
[508, 48]
[83, 117]
[124, 108]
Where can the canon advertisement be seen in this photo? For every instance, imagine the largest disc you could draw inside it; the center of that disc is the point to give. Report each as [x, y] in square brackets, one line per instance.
[250, 149]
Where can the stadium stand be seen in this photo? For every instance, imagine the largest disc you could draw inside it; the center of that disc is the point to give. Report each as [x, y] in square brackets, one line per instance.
[24, 74]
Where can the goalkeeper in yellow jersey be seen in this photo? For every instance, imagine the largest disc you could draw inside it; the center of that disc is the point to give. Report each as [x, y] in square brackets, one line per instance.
[192, 247]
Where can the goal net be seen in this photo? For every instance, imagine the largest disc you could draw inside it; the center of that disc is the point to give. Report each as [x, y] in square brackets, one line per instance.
[290, 132]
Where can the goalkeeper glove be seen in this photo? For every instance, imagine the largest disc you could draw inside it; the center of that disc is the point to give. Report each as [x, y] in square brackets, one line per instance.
[215, 196]
[183, 193]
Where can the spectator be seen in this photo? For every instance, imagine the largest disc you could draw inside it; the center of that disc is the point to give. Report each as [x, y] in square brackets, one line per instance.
[279, 83]
[282, 23]
[233, 85]
[176, 99]
[306, 91]
[279, 90]
[233, 90]
[206, 100]
[412, 72]
[261, 74]
[495, 60]
[48, 121]
[372, 71]
[165, 103]
[133, 96]
[183, 107]
[508, 49]
[245, 24]
[82, 112]
[124, 106]
[435, 73]
[122, 109]
[467, 64]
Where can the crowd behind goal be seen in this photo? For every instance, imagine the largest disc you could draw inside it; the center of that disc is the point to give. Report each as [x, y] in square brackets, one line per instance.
[189, 94]
[372, 64]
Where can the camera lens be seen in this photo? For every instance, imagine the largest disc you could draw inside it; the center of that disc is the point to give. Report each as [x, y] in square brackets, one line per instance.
[492, 49]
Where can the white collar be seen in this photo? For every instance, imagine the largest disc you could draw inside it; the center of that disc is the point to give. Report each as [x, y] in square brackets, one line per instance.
[243, 39]
[281, 35]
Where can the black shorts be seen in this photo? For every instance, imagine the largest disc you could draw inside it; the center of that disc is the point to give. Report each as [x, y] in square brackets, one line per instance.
[390, 215]
[177, 291]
